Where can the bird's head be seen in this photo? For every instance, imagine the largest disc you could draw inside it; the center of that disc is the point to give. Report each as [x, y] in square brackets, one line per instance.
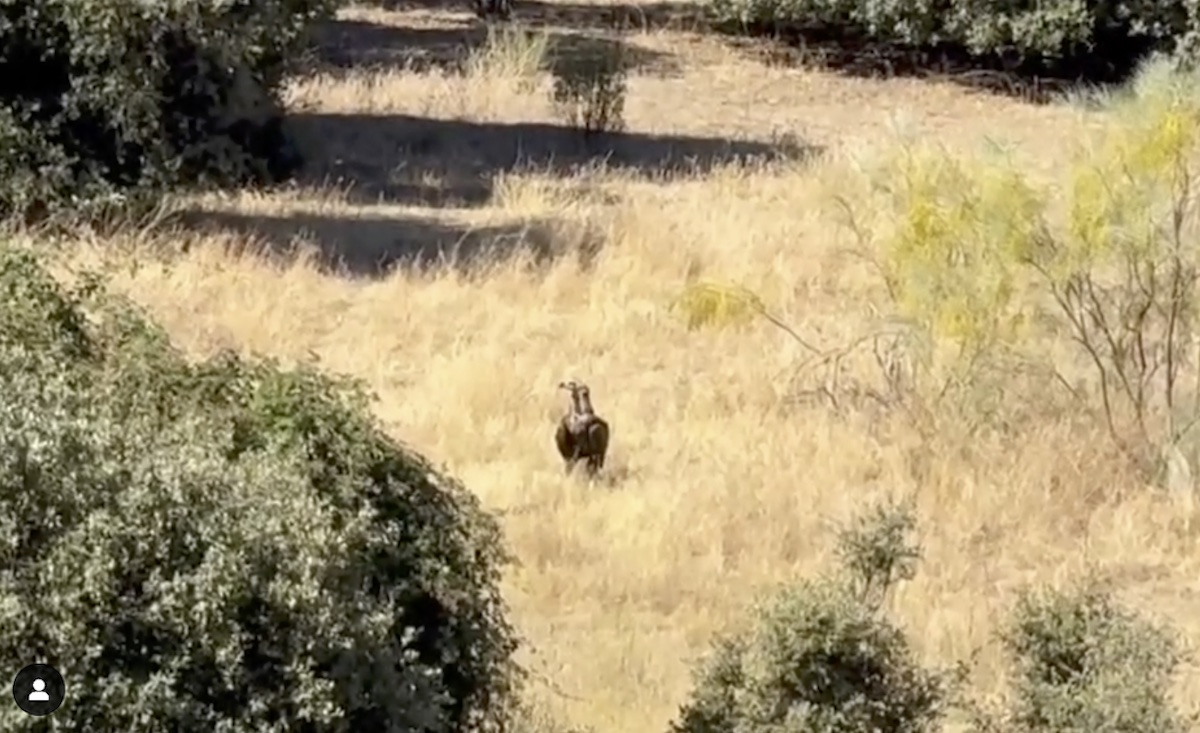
[581, 396]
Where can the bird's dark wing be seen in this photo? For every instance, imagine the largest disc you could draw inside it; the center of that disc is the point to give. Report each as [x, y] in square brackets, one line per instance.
[564, 440]
[597, 433]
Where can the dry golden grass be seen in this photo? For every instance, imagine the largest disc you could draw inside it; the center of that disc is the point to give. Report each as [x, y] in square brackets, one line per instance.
[720, 489]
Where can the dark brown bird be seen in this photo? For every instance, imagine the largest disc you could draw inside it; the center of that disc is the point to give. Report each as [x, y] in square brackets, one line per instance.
[581, 434]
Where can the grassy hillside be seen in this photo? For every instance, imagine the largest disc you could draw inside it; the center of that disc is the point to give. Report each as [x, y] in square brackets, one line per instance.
[724, 478]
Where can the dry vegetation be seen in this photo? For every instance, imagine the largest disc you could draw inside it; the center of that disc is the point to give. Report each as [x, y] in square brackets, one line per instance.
[720, 486]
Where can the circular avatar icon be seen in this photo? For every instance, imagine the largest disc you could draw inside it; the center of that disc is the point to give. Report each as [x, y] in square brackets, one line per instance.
[39, 689]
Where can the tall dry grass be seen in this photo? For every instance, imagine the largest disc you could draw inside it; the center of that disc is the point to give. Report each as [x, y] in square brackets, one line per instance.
[720, 487]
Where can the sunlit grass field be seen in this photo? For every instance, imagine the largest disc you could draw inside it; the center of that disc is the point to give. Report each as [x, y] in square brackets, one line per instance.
[723, 480]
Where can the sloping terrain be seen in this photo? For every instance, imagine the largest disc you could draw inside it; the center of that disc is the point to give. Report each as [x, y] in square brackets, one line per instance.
[718, 487]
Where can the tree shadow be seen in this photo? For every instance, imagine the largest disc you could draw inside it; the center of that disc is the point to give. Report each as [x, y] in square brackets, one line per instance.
[357, 44]
[567, 49]
[1036, 81]
[371, 246]
[451, 6]
[401, 158]
[611, 16]
[575, 15]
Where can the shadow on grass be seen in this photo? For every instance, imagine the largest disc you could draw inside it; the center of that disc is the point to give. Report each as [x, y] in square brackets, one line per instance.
[575, 15]
[856, 55]
[400, 158]
[611, 16]
[370, 245]
[357, 44]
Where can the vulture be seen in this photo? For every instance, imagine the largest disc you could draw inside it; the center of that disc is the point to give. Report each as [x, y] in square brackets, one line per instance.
[581, 434]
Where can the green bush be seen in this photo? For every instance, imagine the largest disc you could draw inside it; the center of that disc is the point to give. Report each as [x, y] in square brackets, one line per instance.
[115, 101]
[986, 267]
[589, 88]
[1084, 665]
[821, 657]
[226, 545]
[1100, 38]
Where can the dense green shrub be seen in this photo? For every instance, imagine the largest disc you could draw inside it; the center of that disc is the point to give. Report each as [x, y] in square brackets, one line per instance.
[1085, 665]
[107, 100]
[1099, 38]
[821, 657]
[226, 545]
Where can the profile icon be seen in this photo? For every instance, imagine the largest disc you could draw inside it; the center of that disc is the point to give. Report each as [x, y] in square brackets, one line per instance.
[38, 689]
